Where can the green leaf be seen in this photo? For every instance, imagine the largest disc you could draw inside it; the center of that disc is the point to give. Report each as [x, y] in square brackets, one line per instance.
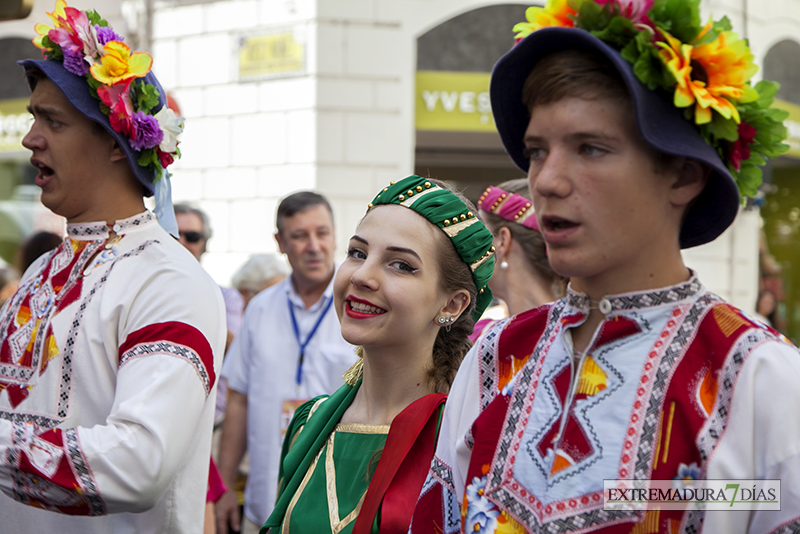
[52, 50]
[681, 18]
[593, 17]
[748, 178]
[722, 128]
[146, 96]
[93, 86]
[619, 32]
[766, 93]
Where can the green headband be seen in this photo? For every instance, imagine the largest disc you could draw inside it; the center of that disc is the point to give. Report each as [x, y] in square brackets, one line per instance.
[473, 241]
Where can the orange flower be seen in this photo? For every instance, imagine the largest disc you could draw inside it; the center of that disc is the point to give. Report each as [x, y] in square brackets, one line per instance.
[554, 13]
[710, 75]
[118, 64]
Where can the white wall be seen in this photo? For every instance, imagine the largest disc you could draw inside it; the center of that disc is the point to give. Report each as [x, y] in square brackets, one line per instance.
[346, 127]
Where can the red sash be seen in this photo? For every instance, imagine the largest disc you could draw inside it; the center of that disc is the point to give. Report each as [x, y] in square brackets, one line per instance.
[403, 467]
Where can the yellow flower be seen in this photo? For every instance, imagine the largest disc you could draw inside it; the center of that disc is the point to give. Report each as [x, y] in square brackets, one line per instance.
[554, 13]
[43, 29]
[118, 64]
[710, 75]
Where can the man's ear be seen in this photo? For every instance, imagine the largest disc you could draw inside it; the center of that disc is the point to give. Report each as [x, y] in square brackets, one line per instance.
[690, 182]
[280, 243]
[117, 154]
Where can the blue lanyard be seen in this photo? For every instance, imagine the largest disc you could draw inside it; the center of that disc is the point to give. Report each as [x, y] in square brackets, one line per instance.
[304, 344]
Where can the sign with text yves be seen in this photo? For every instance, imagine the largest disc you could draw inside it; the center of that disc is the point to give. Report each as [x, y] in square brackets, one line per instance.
[453, 101]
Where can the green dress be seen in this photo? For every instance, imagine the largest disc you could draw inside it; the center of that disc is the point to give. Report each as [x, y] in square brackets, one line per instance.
[330, 472]
[331, 493]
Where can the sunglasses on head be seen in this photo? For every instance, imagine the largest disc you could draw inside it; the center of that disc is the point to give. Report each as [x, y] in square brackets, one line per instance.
[191, 237]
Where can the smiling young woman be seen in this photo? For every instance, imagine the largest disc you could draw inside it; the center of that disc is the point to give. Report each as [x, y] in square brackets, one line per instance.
[408, 294]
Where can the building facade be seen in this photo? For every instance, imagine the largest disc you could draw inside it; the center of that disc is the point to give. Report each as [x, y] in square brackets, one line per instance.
[343, 96]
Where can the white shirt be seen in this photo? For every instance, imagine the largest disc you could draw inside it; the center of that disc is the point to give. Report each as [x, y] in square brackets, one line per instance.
[262, 364]
[752, 432]
[108, 412]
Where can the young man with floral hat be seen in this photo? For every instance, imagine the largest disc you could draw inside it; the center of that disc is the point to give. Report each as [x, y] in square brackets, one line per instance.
[635, 125]
[110, 349]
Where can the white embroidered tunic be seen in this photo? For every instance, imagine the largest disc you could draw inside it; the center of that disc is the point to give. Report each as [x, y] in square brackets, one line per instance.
[107, 382]
[676, 384]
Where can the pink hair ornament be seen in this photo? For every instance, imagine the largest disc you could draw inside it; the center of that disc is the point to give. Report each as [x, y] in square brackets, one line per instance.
[510, 206]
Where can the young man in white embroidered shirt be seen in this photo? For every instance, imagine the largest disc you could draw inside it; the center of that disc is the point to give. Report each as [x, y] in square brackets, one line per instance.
[110, 349]
[639, 373]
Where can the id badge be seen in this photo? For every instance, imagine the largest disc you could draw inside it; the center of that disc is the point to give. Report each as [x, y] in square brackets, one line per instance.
[288, 408]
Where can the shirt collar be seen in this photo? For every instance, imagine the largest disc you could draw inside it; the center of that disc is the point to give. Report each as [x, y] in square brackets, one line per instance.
[99, 230]
[579, 303]
[294, 296]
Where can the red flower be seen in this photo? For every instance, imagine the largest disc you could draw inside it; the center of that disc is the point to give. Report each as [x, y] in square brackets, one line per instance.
[118, 99]
[165, 158]
[740, 150]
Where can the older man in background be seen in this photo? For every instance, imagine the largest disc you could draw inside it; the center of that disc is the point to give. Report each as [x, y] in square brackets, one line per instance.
[289, 349]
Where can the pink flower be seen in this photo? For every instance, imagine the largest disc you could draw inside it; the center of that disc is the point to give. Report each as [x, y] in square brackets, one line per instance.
[75, 34]
[740, 150]
[65, 34]
[118, 98]
[635, 10]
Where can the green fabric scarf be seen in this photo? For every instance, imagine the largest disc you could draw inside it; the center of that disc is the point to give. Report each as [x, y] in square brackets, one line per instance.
[298, 458]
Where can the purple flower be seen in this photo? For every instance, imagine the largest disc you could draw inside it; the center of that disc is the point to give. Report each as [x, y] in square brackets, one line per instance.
[106, 34]
[147, 133]
[74, 62]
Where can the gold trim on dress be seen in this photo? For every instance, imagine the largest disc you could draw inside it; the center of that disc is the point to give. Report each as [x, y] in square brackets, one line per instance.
[337, 525]
[296, 496]
[361, 428]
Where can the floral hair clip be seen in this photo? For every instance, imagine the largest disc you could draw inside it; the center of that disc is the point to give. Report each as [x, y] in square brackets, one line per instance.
[704, 69]
[88, 47]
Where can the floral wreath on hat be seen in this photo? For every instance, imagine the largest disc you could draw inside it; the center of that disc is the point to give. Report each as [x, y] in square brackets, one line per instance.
[707, 68]
[89, 47]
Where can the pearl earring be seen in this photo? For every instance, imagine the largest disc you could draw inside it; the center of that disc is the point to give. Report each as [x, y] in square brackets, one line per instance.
[504, 264]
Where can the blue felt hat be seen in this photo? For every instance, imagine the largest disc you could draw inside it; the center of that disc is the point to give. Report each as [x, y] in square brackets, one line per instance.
[79, 94]
[660, 124]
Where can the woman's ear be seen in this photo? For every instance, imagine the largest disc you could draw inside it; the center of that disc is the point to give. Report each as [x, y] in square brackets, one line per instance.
[456, 304]
[502, 242]
[691, 180]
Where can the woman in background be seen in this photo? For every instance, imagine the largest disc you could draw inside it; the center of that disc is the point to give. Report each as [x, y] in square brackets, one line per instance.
[523, 278]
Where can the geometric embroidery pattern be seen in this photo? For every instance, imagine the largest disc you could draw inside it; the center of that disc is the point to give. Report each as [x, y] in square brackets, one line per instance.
[715, 425]
[676, 348]
[170, 349]
[83, 474]
[99, 230]
[791, 528]
[75, 327]
[488, 357]
[679, 338]
[727, 320]
[443, 473]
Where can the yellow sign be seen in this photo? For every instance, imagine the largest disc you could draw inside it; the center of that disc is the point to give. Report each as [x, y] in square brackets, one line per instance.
[15, 121]
[793, 125]
[271, 55]
[453, 101]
